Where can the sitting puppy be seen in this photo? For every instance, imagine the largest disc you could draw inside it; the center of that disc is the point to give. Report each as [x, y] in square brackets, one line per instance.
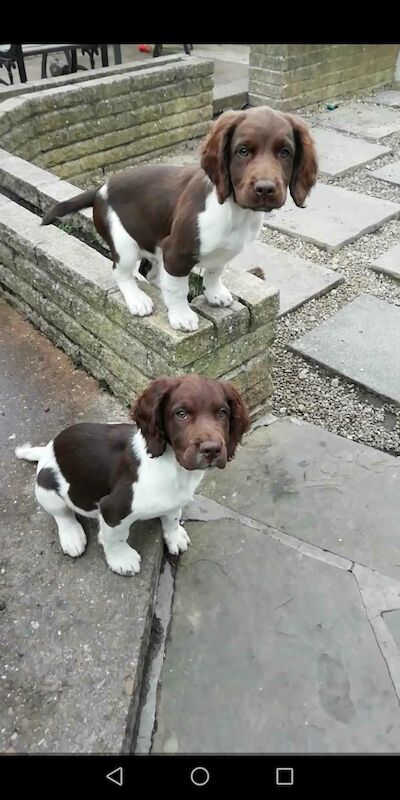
[177, 217]
[122, 472]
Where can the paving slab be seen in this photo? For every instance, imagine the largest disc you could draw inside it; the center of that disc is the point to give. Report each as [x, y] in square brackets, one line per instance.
[390, 173]
[323, 489]
[298, 280]
[338, 154]
[389, 262]
[392, 619]
[73, 634]
[364, 120]
[389, 97]
[333, 216]
[269, 652]
[361, 342]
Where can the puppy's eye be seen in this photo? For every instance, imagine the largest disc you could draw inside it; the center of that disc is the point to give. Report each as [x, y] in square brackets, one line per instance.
[181, 413]
[222, 413]
[284, 152]
[243, 151]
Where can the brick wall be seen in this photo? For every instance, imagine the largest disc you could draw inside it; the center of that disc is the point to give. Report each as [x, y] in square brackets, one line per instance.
[67, 290]
[97, 124]
[294, 76]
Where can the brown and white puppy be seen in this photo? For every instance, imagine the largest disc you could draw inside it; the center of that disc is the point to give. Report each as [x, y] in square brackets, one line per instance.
[177, 217]
[122, 472]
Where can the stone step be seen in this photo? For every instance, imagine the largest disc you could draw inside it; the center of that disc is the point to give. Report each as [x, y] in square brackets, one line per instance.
[338, 154]
[360, 342]
[362, 119]
[389, 97]
[333, 216]
[296, 279]
[389, 262]
[389, 173]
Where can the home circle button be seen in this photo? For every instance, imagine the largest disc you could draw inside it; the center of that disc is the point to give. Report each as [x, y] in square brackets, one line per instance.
[200, 776]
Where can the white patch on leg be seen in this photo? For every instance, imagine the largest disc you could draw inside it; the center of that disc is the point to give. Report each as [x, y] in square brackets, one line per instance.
[175, 291]
[175, 536]
[177, 541]
[157, 262]
[215, 292]
[138, 302]
[72, 538]
[123, 559]
[120, 557]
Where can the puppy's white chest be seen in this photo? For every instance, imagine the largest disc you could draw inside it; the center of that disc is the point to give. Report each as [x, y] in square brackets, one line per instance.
[227, 226]
[163, 486]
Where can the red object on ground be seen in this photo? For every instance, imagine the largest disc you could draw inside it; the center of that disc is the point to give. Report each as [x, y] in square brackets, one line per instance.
[144, 48]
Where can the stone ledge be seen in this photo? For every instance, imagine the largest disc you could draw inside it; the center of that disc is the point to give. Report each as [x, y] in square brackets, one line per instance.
[129, 113]
[66, 288]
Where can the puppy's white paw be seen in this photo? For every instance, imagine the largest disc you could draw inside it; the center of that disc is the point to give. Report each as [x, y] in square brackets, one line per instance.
[177, 541]
[123, 559]
[183, 319]
[219, 297]
[139, 303]
[73, 541]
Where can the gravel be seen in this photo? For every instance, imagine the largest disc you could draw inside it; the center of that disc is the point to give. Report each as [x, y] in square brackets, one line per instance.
[302, 388]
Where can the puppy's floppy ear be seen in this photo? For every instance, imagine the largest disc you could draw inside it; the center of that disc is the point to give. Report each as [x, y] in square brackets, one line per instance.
[215, 152]
[147, 412]
[239, 421]
[305, 167]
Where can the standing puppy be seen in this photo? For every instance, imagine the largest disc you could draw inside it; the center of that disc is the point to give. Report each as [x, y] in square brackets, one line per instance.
[177, 217]
[120, 473]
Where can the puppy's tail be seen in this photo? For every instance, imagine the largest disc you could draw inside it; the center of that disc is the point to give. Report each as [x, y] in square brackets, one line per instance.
[29, 453]
[77, 203]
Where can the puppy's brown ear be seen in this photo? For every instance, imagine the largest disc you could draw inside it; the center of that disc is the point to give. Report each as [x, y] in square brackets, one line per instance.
[239, 421]
[147, 412]
[216, 152]
[305, 167]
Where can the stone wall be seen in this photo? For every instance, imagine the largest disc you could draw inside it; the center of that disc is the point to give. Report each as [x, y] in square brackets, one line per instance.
[103, 122]
[66, 289]
[292, 76]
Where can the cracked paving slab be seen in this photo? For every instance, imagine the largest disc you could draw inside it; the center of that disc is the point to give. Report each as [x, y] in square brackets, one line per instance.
[327, 491]
[271, 650]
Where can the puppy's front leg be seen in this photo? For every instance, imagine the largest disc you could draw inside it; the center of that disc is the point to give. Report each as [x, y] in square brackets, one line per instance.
[120, 556]
[175, 291]
[174, 534]
[215, 292]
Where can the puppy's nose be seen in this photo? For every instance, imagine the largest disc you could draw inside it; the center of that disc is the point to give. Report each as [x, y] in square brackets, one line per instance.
[265, 188]
[210, 450]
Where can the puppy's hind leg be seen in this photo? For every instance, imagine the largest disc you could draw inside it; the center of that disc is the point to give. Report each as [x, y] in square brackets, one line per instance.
[72, 536]
[127, 253]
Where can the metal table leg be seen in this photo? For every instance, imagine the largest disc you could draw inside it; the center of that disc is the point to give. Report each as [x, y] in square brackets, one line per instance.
[117, 54]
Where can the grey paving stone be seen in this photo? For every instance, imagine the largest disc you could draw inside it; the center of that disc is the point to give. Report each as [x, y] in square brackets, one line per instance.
[361, 342]
[338, 154]
[389, 262]
[269, 652]
[297, 280]
[362, 119]
[392, 619]
[389, 97]
[323, 489]
[333, 216]
[389, 173]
